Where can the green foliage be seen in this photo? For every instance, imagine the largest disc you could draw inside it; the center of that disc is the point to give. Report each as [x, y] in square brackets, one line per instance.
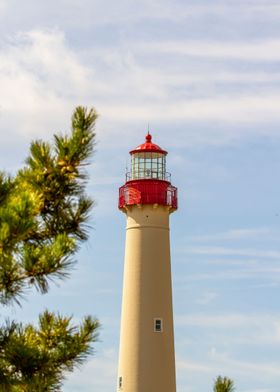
[223, 384]
[36, 358]
[43, 215]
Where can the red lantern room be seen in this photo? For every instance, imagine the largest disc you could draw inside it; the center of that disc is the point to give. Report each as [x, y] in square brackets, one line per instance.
[148, 182]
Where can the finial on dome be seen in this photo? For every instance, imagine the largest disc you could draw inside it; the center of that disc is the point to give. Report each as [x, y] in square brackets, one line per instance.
[148, 146]
[148, 137]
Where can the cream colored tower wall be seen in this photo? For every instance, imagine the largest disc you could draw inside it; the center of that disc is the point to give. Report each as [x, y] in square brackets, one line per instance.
[146, 360]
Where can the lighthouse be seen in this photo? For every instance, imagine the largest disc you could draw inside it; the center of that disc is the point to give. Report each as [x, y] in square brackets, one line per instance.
[146, 356]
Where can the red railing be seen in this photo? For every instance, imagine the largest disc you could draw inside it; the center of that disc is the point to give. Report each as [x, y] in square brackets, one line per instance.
[148, 192]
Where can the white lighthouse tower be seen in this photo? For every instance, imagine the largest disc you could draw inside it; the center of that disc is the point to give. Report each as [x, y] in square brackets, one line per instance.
[146, 358]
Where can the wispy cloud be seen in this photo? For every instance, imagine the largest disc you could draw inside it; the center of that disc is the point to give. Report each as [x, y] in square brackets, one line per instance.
[224, 364]
[239, 234]
[219, 332]
[40, 79]
[263, 276]
[224, 251]
[265, 50]
[231, 320]
[206, 298]
[255, 330]
[221, 109]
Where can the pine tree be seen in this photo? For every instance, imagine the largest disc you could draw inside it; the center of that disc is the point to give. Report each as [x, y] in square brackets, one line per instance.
[43, 215]
[223, 384]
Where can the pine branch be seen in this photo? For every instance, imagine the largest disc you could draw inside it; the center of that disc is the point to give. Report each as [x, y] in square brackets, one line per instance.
[32, 357]
[44, 210]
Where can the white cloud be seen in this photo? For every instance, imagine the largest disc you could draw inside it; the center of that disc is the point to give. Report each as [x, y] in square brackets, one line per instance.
[239, 234]
[224, 251]
[127, 11]
[41, 81]
[220, 362]
[139, 91]
[265, 50]
[167, 78]
[237, 114]
[206, 298]
[263, 372]
[232, 341]
[268, 275]
[3, 5]
[259, 390]
[184, 365]
[236, 329]
[230, 320]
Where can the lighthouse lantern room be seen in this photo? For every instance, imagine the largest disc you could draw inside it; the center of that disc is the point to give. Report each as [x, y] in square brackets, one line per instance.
[148, 182]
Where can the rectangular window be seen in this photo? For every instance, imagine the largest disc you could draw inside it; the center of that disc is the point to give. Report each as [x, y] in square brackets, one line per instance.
[158, 326]
[120, 382]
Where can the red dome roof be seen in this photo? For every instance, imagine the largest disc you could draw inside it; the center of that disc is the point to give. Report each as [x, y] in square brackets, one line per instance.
[148, 146]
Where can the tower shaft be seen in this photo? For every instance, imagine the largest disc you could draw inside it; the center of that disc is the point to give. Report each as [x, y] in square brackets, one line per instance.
[146, 359]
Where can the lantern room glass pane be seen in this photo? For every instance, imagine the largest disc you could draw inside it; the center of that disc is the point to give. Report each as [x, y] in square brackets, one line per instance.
[148, 165]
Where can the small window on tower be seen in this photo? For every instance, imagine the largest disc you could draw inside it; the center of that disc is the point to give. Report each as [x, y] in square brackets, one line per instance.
[158, 325]
[120, 382]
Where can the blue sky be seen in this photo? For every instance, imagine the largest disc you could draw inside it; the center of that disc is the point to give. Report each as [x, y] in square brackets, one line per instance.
[205, 76]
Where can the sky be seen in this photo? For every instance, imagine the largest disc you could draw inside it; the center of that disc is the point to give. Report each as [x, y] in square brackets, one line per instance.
[205, 76]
